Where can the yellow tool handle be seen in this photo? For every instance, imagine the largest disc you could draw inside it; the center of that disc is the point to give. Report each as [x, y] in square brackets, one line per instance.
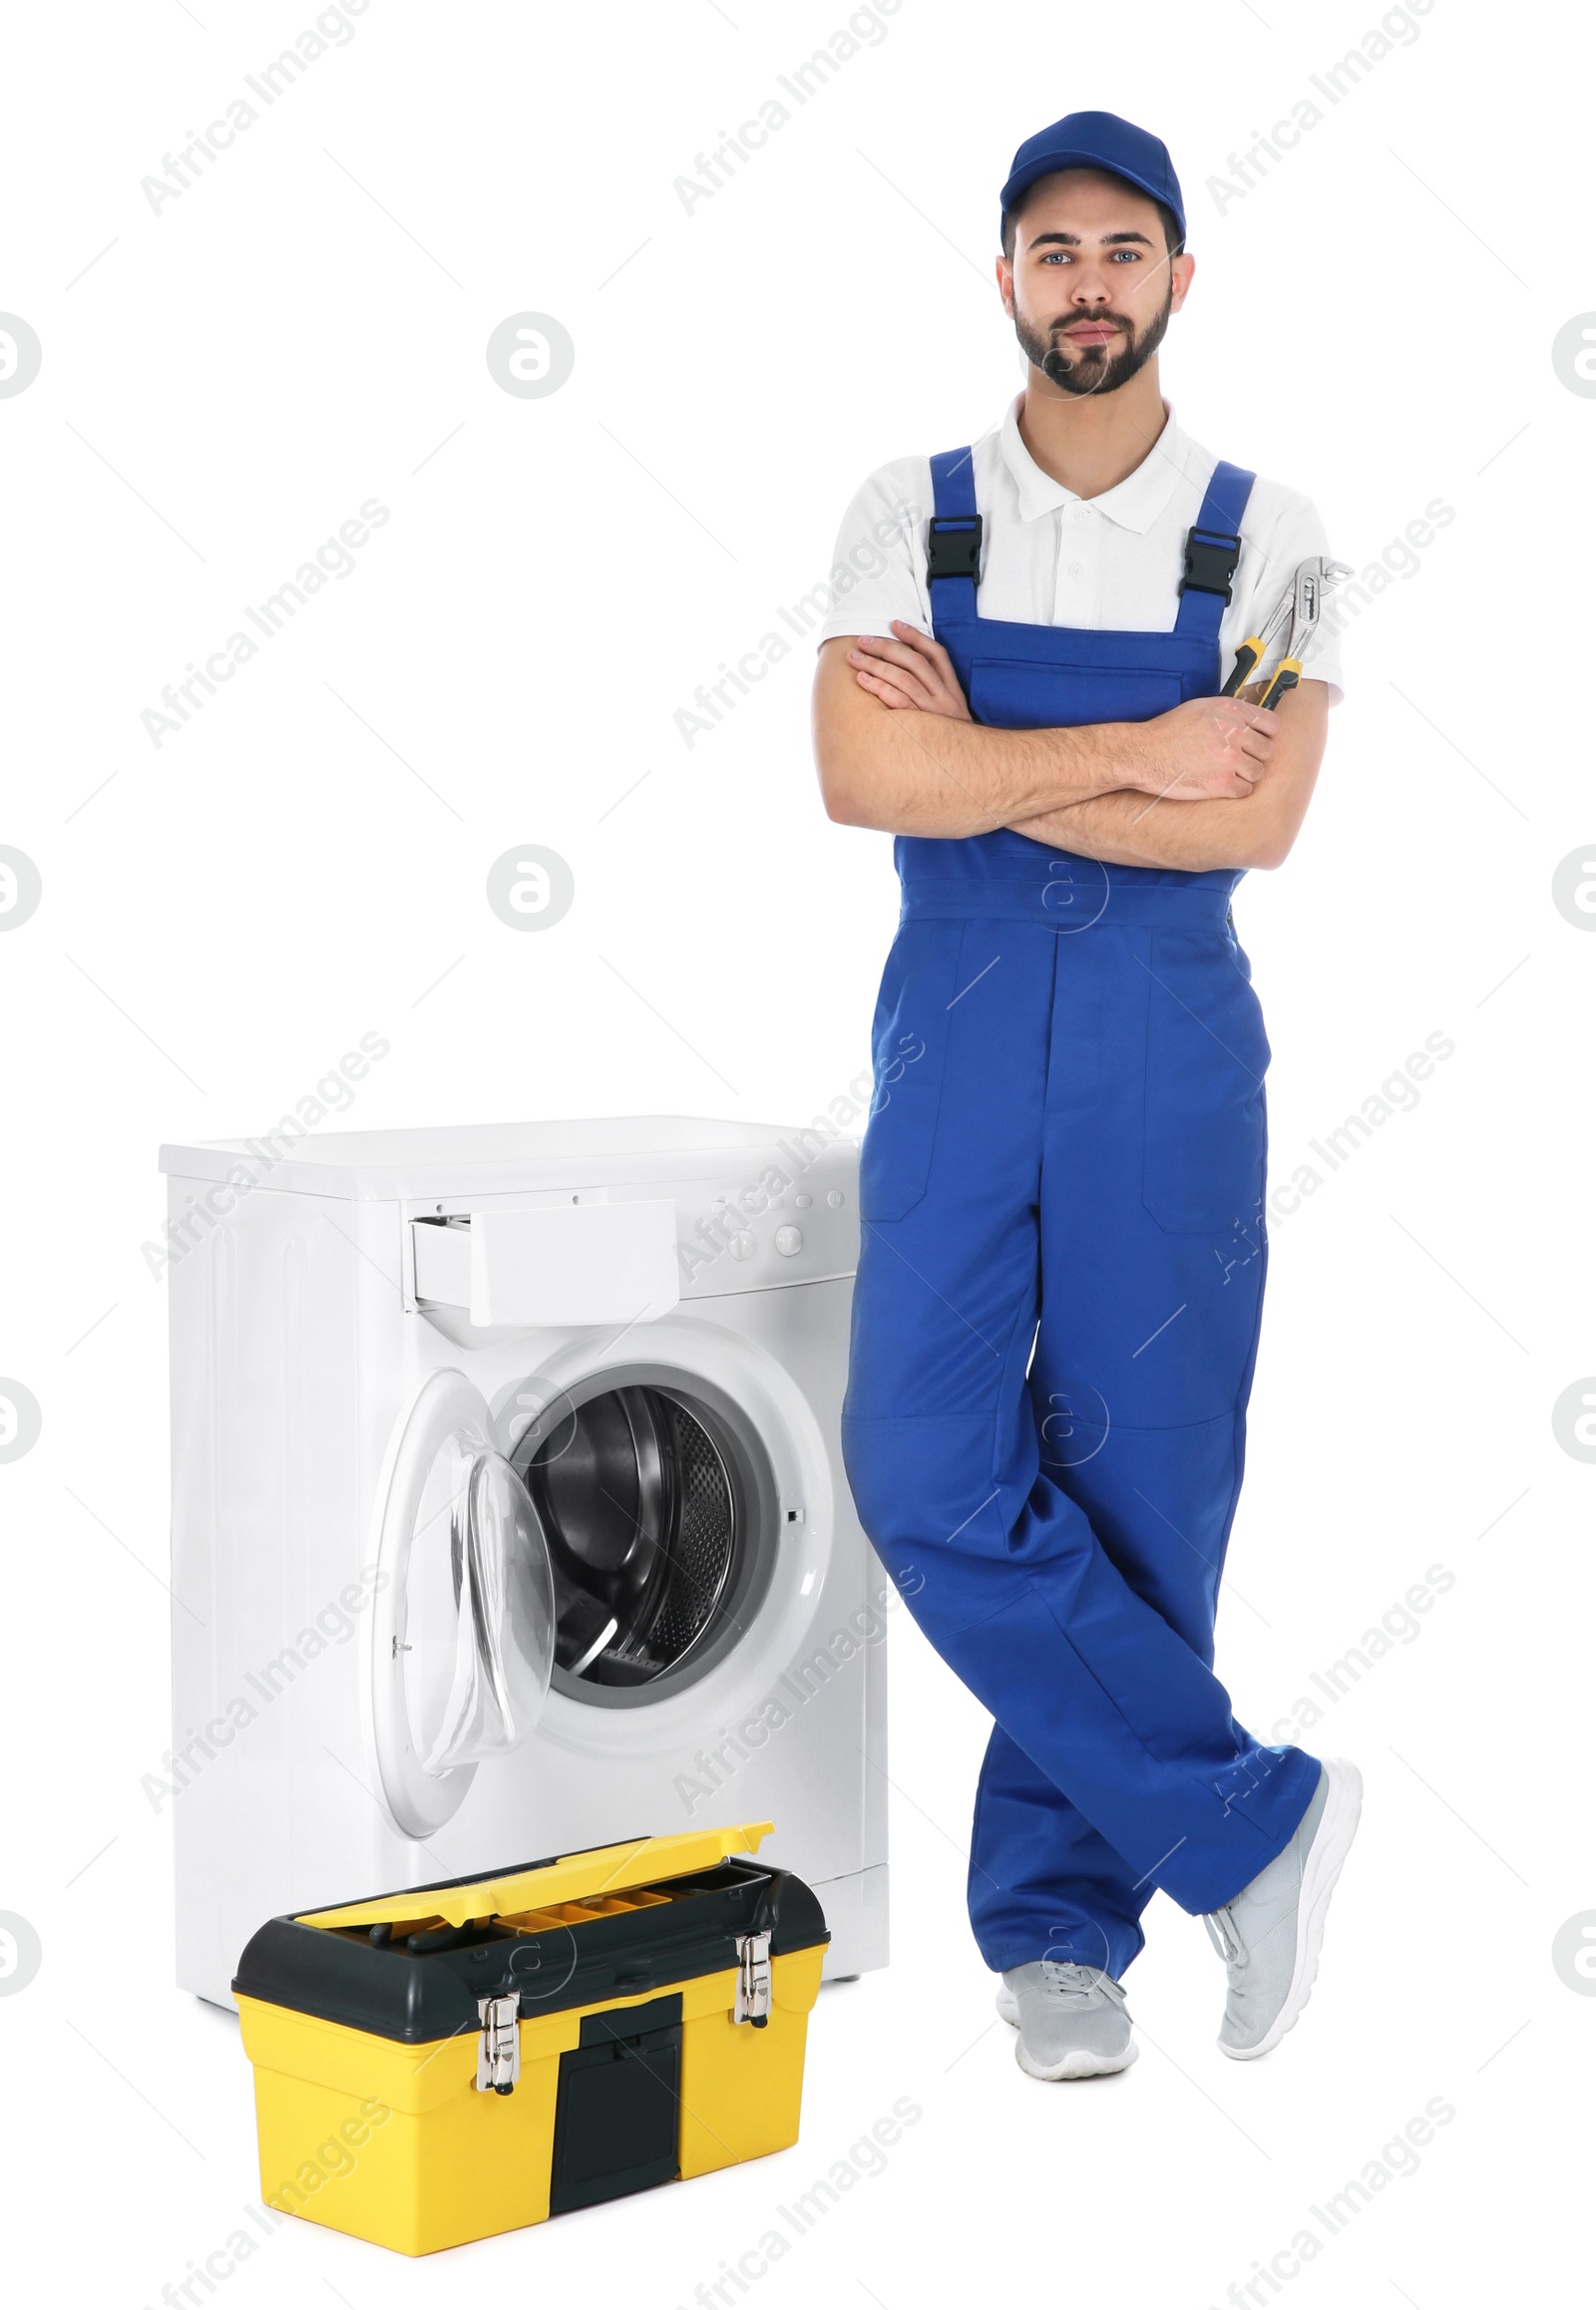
[1284, 677]
[1251, 650]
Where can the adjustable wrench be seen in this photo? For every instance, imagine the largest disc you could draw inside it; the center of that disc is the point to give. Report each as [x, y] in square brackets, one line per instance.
[1314, 579]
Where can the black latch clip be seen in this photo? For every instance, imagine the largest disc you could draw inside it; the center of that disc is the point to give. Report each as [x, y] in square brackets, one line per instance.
[953, 546]
[1211, 558]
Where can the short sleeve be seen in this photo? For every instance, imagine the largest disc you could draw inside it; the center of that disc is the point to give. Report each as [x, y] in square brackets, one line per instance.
[878, 571]
[1281, 529]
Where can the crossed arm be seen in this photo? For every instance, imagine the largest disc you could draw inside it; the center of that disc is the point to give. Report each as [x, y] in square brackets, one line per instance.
[1217, 782]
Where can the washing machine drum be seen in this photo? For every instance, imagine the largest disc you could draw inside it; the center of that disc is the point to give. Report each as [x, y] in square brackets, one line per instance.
[641, 1515]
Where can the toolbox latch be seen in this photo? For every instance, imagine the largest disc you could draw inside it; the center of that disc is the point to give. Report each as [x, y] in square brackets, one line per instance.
[753, 1979]
[499, 2047]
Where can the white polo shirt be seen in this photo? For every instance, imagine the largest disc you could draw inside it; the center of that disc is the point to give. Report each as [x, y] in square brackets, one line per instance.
[1049, 558]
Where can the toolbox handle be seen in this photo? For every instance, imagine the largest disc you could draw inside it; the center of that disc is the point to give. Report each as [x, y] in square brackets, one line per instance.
[767, 1908]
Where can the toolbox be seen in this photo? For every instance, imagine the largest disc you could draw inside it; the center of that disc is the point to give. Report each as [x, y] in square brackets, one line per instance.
[466, 2058]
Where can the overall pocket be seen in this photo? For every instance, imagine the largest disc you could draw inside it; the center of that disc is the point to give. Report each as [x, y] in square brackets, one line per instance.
[1008, 695]
[1203, 1122]
[908, 1051]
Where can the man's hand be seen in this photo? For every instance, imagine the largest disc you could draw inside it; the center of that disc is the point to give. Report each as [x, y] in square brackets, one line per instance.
[1208, 750]
[912, 671]
[1254, 829]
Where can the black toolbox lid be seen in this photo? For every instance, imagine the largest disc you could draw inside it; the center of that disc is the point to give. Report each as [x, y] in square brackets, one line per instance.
[574, 1931]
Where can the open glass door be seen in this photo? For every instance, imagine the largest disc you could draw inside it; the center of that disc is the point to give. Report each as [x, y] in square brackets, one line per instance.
[655, 1495]
[463, 1631]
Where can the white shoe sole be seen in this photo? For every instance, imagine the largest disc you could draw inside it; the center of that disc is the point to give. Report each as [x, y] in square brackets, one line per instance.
[1338, 1825]
[1082, 2065]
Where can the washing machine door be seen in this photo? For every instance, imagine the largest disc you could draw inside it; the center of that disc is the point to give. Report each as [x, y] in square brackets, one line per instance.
[659, 1504]
[463, 1628]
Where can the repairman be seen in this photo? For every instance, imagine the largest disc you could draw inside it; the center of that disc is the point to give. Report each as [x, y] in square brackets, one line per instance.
[1063, 1269]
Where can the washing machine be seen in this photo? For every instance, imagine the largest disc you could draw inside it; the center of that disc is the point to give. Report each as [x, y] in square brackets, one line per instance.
[508, 1514]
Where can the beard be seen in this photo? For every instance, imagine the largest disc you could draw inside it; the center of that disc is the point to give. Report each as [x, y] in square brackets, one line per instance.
[1084, 369]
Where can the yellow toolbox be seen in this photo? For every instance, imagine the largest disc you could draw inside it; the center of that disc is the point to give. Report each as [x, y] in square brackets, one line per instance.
[441, 2064]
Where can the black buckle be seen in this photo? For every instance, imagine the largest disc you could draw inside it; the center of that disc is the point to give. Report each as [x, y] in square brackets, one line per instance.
[953, 546]
[1211, 558]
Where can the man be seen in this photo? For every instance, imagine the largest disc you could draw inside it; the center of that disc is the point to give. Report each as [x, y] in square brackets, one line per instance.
[1061, 1188]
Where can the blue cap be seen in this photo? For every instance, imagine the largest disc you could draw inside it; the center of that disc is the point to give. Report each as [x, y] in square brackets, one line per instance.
[1098, 140]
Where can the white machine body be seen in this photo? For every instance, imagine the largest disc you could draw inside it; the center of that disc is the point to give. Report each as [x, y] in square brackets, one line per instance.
[401, 1362]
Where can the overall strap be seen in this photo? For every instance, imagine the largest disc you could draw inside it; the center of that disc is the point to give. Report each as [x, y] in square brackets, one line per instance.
[953, 540]
[1213, 548]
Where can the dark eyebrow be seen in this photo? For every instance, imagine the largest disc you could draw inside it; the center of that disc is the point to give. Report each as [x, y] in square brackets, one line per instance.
[1072, 240]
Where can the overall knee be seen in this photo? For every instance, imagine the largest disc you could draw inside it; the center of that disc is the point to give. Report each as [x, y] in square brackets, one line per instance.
[925, 1484]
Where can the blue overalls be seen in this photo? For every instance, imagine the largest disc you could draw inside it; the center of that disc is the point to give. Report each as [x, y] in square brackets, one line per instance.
[1056, 1312]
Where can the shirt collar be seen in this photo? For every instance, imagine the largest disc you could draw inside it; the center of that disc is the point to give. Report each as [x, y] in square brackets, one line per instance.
[1135, 503]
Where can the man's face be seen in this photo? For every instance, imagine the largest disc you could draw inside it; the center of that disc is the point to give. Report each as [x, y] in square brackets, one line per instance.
[1091, 286]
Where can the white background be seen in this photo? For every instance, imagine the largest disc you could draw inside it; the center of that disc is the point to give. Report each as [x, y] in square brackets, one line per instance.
[224, 915]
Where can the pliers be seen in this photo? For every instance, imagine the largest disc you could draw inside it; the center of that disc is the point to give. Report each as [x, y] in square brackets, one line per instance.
[1301, 604]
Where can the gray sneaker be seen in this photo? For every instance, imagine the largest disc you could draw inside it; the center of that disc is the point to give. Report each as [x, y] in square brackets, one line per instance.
[1270, 1934]
[1072, 2019]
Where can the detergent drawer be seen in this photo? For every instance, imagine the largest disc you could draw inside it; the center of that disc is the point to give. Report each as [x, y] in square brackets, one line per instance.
[556, 1263]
